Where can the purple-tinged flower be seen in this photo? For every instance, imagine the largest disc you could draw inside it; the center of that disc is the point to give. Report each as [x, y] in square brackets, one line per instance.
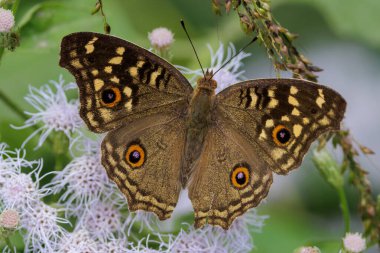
[77, 242]
[42, 228]
[18, 190]
[214, 239]
[161, 38]
[102, 220]
[7, 20]
[9, 219]
[354, 242]
[54, 111]
[84, 180]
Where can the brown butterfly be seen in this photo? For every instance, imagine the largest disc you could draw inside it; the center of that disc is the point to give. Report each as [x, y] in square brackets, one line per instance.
[164, 135]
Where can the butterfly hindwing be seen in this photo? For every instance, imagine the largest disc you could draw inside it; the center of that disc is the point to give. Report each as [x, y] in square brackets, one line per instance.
[143, 159]
[119, 81]
[228, 179]
[281, 117]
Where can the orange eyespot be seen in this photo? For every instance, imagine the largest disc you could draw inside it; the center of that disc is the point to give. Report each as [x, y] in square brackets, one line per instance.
[135, 155]
[281, 135]
[240, 176]
[110, 97]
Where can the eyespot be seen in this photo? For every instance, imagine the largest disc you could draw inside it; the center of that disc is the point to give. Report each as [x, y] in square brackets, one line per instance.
[240, 176]
[110, 97]
[135, 155]
[281, 135]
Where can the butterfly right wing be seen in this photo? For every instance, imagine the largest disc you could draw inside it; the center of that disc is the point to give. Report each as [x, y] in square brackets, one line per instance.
[119, 81]
[281, 117]
[217, 195]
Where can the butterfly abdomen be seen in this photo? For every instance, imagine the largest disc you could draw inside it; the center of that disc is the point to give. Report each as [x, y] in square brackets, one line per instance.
[199, 119]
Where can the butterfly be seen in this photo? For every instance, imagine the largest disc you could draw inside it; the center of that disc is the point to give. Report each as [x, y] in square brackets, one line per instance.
[164, 135]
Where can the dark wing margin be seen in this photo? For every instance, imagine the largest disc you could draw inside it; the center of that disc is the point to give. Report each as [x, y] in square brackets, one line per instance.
[143, 83]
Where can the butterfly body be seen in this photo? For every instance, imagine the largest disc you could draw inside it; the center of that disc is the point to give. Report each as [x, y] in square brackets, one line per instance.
[163, 135]
[198, 123]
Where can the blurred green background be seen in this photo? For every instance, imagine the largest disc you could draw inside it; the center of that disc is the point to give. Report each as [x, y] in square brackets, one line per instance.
[343, 38]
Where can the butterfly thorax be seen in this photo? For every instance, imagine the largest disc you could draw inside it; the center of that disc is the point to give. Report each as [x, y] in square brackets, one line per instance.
[199, 119]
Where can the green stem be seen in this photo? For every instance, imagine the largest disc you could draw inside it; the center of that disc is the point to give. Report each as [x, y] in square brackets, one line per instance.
[15, 7]
[1, 51]
[12, 105]
[8, 242]
[344, 207]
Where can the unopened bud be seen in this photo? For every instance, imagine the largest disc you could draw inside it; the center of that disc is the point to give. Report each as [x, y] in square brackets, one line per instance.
[9, 219]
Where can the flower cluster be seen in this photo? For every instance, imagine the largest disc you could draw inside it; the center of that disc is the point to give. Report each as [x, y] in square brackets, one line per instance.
[54, 111]
[21, 193]
[7, 20]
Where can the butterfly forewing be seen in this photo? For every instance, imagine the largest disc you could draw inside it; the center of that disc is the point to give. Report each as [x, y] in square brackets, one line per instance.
[281, 117]
[119, 81]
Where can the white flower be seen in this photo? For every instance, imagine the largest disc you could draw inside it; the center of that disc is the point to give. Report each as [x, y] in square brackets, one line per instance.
[9, 219]
[84, 180]
[144, 219]
[214, 239]
[7, 20]
[354, 242]
[229, 74]
[18, 190]
[54, 111]
[41, 226]
[78, 242]
[309, 250]
[144, 248]
[161, 38]
[119, 245]
[101, 220]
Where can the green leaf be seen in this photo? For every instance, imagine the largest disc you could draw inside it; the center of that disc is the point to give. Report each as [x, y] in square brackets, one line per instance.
[352, 19]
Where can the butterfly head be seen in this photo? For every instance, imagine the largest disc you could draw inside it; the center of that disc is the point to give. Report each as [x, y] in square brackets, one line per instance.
[206, 82]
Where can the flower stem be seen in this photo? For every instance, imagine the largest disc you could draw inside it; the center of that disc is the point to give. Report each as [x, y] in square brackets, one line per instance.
[345, 209]
[15, 7]
[11, 105]
[1, 51]
[8, 242]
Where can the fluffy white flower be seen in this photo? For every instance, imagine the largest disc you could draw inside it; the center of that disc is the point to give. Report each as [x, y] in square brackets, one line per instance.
[7, 20]
[142, 219]
[78, 242]
[354, 242]
[54, 111]
[18, 190]
[229, 74]
[161, 38]
[41, 225]
[83, 180]
[102, 220]
[119, 245]
[214, 239]
[309, 250]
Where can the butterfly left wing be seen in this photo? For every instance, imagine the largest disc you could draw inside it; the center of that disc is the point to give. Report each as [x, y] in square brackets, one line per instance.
[119, 81]
[143, 159]
[281, 117]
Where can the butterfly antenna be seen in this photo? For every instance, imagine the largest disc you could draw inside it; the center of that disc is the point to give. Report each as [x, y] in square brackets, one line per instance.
[253, 40]
[184, 28]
